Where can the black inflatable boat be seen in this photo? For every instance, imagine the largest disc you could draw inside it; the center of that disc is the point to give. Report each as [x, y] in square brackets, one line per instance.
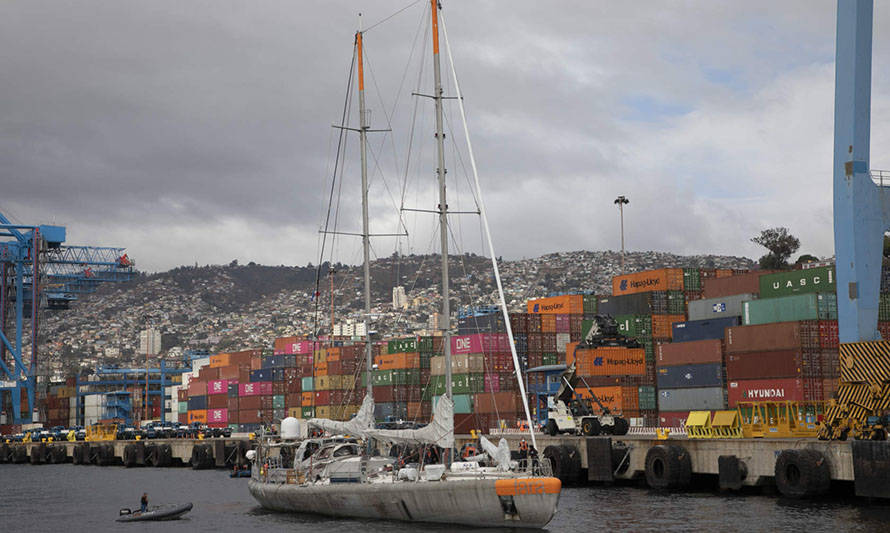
[164, 512]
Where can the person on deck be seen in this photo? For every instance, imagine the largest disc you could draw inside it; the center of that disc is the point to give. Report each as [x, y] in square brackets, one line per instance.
[144, 501]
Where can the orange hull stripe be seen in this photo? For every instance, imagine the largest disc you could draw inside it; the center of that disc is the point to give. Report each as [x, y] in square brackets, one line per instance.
[528, 486]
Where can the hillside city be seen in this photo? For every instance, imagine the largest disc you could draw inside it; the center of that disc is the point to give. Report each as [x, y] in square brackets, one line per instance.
[231, 307]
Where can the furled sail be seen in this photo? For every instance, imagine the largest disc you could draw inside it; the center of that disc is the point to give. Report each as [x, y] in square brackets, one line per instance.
[358, 426]
[440, 430]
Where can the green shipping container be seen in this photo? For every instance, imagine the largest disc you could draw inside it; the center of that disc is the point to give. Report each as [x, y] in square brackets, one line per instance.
[308, 412]
[649, 349]
[183, 407]
[402, 345]
[789, 309]
[550, 359]
[820, 279]
[647, 397]
[590, 304]
[425, 359]
[460, 384]
[676, 302]
[691, 279]
[409, 376]
[635, 326]
[278, 401]
[308, 384]
[463, 403]
[424, 344]
[884, 307]
[234, 428]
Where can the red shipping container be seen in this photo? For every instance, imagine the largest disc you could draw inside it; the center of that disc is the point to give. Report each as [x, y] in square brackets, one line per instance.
[672, 419]
[249, 402]
[323, 397]
[498, 402]
[563, 323]
[774, 364]
[229, 372]
[479, 343]
[232, 404]
[197, 387]
[765, 337]
[689, 353]
[217, 401]
[492, 383]
[828, 334]
[748, 283]
[249, 416]
[762, 390]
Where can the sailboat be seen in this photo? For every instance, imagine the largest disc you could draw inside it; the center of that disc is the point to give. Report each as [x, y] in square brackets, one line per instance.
[362, 485]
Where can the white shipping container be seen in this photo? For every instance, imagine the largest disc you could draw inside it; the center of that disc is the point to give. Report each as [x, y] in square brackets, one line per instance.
[722, 307]
[562, 339]
[197, 364]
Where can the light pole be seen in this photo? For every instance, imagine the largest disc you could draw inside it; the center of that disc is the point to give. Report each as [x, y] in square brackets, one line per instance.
[621, 201]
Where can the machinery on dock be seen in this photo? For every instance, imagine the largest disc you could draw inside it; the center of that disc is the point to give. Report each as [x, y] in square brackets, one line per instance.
[568, 413]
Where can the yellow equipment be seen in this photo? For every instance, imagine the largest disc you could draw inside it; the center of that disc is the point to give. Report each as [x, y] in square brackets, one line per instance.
[101, 432]
[780, 419]
[698, 425]
[726, 425]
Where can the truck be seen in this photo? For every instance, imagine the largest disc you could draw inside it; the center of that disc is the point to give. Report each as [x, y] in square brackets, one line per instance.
[567, 413]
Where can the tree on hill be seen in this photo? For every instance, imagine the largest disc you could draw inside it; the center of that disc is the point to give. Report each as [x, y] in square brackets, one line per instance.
[780, 244]
[806, 258]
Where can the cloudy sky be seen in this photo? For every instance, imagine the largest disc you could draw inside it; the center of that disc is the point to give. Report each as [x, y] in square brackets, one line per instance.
[200, 131]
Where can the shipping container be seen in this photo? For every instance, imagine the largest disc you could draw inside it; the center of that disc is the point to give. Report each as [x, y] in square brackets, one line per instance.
[566, 303]
[720, 307]
[480, 343]
[662, 325]
[762, 390]
[798, 281]
[197, 403]
[618, 400]
[774, 364]
[672, 419]
[665, 279]
[693, 399]
[747, 283]
[609, 361]
[697, 330]
[402, 345]
[643, 303]
[767, 337]
[688, 353]
[199, 416]
[689, 376]
[498, 402]
[806, 306]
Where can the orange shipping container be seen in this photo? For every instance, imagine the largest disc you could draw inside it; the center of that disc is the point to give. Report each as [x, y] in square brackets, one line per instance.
[307, 398]
[396, 361]
[611, 361]
[664, 279]
[198, 416]
[615, 399]
[321, 369]
[661, 325]
[219, 360]
[548, 323]
[557, 305]
[570, 352]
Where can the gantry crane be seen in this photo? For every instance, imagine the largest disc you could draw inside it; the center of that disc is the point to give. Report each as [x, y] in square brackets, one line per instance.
[36, 267]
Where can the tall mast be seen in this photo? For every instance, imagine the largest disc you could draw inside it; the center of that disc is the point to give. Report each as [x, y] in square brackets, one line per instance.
[366, 233]
[445, 319]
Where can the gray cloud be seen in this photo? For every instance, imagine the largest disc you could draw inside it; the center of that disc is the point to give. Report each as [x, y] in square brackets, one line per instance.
[200, 131]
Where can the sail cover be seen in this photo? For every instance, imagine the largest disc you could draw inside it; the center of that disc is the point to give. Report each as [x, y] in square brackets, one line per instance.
[440, 430]
[358, 426]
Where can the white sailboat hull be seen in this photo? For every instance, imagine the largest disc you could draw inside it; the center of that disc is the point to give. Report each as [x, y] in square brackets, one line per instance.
[471, 502]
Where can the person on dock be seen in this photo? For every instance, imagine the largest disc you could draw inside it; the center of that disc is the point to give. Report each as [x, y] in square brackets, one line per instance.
[144, 502]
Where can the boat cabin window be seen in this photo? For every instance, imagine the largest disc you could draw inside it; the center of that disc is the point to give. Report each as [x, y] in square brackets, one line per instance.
[345, 451]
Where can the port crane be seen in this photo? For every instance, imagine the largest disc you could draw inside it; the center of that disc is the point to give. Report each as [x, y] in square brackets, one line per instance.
[37, 270]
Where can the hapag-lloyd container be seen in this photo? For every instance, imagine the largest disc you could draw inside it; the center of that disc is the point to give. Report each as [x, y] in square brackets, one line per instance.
[720, 307]
[689, 376]
[697, 330]
[798, 281]
[218, 386]
[616, 399]
[774, 364]
[695, 399]
[609, 361]
[762, 390]
[563, 304]
[689, 353]
[665, 279]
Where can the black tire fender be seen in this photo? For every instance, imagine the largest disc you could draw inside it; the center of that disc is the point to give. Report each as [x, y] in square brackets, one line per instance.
[554, 455]
[802, 473]
[668, 467]
[571, 466]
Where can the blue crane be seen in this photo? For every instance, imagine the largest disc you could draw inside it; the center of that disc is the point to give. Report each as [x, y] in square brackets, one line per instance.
[36, 265]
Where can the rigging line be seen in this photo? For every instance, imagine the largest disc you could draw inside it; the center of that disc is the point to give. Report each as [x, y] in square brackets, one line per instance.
[494, 263]
[372, 26]
[417, 274]
[340, 142]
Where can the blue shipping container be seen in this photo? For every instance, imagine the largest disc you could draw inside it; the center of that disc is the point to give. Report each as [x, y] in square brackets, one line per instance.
[700, 330]
[263, 374]
[233, 390]
[690, 376]
[197, 402]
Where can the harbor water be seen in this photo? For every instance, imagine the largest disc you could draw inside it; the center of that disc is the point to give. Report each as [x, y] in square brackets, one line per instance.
[79, 498]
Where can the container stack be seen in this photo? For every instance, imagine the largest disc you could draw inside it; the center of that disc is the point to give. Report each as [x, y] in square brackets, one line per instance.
[787, 347]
